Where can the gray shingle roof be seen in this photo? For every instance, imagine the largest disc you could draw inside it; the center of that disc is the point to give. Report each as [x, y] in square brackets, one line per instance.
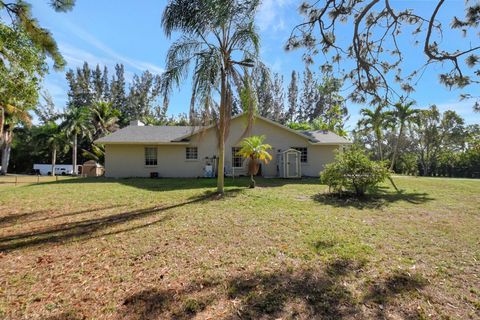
[169, 134]
[321, 136]
[146, 134]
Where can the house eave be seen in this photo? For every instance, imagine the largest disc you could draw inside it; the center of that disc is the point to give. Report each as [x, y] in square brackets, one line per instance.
[330, 143]
[156, 143]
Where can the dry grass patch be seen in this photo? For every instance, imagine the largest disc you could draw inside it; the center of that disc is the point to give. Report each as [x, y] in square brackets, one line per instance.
[161, 249]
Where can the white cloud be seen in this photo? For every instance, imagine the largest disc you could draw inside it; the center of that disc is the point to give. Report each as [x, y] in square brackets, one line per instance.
[75, 57]
[276, 66]
[112, 54]
[54, 89]
[270, 14]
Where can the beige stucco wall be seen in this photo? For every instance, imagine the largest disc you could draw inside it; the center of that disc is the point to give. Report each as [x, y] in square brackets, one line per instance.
[129, 161]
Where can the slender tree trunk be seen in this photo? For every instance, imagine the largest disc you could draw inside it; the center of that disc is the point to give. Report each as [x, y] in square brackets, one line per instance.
[74, 155]
[54, 160]
[395, 149]
[6, 148]
[252, 181]
[380, 152]
[2, 122]
[221, 136]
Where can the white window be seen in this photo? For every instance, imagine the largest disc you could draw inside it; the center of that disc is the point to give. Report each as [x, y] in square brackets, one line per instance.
[237, 160]
[191, 153]
[150, 156]
[304, 153]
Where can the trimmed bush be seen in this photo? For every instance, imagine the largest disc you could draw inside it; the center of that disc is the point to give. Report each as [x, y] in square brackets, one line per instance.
[354, 172]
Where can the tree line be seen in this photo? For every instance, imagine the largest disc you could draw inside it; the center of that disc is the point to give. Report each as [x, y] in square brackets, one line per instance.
[218, 45]
[97, 105]
[415, 141]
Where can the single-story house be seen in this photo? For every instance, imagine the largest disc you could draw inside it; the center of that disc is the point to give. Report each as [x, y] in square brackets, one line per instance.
[182, 151]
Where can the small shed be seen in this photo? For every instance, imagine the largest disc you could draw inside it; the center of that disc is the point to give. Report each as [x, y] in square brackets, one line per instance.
[288, 163]
[92, 169]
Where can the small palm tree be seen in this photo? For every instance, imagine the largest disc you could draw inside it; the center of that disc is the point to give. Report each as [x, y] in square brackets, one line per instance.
[374, 121]
[255, 150]
[403, 114]
[54, 139]
[76, 123]
[104, 118]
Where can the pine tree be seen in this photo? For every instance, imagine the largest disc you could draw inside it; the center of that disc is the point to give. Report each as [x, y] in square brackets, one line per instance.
[308, 97]
[292, 98]
[97, 84]
[81, 93]
[263, 89]
[117, 92]
[106, 86]
[278, 112]
[143, 93]
[329, 103]
[46, 112]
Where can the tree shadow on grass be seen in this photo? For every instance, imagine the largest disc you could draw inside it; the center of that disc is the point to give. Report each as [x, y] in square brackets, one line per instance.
[172, 184]
[42, 215]
[306, 294]
[380, 198]
[394, 286]
[87, 229]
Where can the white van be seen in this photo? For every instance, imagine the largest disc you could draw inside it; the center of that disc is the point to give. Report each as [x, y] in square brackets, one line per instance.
[60, 169]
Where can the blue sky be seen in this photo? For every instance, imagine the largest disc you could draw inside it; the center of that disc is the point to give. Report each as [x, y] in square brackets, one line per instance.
[129, 32]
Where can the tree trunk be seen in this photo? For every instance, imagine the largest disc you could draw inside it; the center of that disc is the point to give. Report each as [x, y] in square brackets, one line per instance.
[221, 136]
[74, 155]
[5, 157]
[380, 151]
[424, 168]
[2, 123]
[253, 167]
[378, 136]
[54, 160]
[395, 149]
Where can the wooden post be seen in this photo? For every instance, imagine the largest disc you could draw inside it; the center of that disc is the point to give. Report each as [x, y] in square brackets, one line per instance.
[38, 178]
[16, 178]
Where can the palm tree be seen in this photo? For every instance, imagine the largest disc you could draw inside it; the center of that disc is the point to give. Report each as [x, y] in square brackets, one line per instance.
[219, 38]
[76, 123]
[403, 114]
[54, 138]
[255, 150]
[374, 121]
[104, 118]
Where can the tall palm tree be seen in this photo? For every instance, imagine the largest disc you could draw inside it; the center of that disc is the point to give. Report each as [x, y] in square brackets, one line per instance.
[219, 39]
[104, 118]
[403, 114]
[374, 121]
[76, 123]
[255, 150]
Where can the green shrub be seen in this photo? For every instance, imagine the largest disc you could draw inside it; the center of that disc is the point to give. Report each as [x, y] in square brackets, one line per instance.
[353, 171]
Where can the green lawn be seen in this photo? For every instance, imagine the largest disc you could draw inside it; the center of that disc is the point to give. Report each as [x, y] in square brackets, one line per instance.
[161, 249]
